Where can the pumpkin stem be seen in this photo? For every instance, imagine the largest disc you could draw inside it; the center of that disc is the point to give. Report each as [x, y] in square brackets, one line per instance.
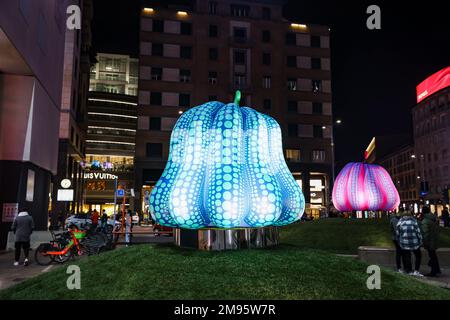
[237, 98]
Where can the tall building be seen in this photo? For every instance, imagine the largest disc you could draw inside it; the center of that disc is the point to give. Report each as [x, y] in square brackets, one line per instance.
[395, 153]
[191, 55]
[111, 132]
[431, 121]
[115, 73]
[32, 46]
[73, 117]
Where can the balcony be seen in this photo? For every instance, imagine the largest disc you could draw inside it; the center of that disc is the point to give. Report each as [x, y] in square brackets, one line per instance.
[241, 41]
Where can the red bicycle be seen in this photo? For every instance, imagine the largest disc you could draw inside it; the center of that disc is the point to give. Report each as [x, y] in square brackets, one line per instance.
[63, 247]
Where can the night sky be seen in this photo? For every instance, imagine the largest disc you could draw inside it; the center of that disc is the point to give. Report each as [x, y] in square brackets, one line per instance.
[374, 72]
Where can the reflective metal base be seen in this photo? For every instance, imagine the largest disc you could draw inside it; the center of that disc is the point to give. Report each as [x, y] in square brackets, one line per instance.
[226, 239]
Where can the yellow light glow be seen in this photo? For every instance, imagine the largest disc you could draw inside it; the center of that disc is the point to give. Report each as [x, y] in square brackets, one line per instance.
[182, 13]
[299, 26]
[148, 10]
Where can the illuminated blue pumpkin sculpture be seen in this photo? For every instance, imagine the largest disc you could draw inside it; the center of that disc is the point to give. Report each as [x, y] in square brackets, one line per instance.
[226, 169]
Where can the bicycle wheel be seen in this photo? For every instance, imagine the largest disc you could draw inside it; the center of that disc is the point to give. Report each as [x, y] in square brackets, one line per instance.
[40, 255]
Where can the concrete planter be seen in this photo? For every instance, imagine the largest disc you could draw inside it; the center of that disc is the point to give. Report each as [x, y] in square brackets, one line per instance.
[386, 256]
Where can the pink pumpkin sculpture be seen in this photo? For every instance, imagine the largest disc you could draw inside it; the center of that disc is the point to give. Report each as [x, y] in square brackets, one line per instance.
[361, 187]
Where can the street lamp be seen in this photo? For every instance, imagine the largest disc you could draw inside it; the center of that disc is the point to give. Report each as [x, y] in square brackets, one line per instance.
[338, 122]
[333, 174]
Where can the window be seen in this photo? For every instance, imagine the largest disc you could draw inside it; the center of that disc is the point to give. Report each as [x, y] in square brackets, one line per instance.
[239, 80]
[186, 52]
[239, 57]
[317, 108]
[292, 84]
[267, 104]
[212, 7]
[186, 28]
[292, 130]
[155, 124]
[317, 86]
[212, 77]
[156, 73]
[267, 82]
[157, 49]
[266, 36]
[213, 54]
[156, 98]
[266, 59]
[158, 25]
[240, 34]
[293, 155]
[292, 106]
[316, 63]
[240, 11]
[291, 61]
[318, 156]
[185, 75]
[266, 13]
[213, 31]
[154, 150]
[290, 39]
[185, 100]
[315, 41]
[318, 132]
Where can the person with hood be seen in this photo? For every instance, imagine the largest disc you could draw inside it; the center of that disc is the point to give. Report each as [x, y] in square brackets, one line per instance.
[394, 219]
[410, 240]
[430, 232]
[22, 227]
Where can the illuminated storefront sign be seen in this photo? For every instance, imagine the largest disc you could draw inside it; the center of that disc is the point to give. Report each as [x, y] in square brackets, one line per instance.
[99, 176]
[361, 187]
[226, 169]
[433, 84]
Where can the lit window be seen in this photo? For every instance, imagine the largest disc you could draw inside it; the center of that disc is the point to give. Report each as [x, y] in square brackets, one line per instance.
[318, 156]
[267, 82]
[293, 155]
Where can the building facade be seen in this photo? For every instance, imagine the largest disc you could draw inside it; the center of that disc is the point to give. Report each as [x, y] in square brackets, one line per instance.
[431, 121]
[32, 46]
[111, 133]
[191, 55]
[73, 116]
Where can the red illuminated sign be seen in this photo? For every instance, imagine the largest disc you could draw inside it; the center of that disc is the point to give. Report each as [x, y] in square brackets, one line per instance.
[433, 84]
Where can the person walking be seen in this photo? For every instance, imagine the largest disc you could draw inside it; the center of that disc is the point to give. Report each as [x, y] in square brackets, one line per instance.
[395, 218]
[104, 221]
[94, 219]
[128, 225]
[430, 232]
[22, 227]
[410, 240]
[445, 217]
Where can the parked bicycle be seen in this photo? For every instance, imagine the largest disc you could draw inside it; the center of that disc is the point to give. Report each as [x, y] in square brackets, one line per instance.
[71, 243]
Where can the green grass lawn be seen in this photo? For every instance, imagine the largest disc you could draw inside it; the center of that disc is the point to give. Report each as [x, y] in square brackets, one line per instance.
[300, 268]
[165, 272]
[344, 235]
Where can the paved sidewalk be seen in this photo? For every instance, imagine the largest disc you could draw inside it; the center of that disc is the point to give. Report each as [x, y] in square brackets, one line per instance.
[443, 280]
[11, 275]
